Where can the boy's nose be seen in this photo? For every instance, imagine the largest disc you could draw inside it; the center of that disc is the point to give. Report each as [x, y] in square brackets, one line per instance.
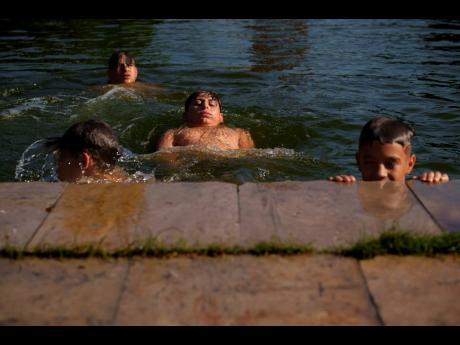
[382, 172]
[204, 104]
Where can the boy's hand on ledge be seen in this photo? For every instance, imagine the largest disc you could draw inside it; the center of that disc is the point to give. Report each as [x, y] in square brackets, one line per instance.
[432, 177]
[342, 178]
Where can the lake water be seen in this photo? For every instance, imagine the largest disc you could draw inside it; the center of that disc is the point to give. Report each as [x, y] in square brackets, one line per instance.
[303, 88]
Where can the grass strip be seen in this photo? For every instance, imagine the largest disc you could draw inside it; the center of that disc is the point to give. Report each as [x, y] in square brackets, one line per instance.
[392, 242]
[152, 248]
[402, 243]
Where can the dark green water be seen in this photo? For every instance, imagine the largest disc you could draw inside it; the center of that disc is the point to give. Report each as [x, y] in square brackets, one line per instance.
[303, 88]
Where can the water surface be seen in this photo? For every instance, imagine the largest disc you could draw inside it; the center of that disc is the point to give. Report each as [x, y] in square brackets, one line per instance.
[303, 88]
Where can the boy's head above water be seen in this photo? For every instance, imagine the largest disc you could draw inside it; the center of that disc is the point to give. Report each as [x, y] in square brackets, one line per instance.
[203, 109]
[122, 68]
[88, 148]
[385, 150]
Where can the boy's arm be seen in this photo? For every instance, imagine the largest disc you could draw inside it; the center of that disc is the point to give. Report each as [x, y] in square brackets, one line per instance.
[245, 140]
[167, 140]
[342, 178]
[432, 177]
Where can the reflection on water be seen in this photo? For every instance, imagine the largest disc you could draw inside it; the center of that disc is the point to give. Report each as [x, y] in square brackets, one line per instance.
[302, 86]
[278, 45]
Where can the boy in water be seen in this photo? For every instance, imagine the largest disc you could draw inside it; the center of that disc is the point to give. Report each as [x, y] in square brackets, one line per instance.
[385, 153]
[88, 149]
[123, 71]
[203, 126]
[122, 68]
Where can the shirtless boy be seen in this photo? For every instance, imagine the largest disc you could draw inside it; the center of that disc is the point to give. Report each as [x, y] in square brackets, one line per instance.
[88, 149]
[204, 126]
[384, 153]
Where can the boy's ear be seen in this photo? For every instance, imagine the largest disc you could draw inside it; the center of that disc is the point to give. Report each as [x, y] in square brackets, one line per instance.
[86, 160]
[411, 163]
[221, 117]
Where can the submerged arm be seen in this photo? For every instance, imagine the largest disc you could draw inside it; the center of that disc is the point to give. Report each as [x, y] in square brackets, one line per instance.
[167, 140]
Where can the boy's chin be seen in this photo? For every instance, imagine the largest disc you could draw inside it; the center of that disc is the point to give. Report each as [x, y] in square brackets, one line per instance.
[203, 124]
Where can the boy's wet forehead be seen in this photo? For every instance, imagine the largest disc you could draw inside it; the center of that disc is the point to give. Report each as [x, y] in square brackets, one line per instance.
[206, 96]
[123, 59]
[385, 150]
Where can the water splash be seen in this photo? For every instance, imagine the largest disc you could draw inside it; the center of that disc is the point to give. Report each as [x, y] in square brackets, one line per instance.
[36, 163]
[33, 103]
[116, 92]
[194, 163]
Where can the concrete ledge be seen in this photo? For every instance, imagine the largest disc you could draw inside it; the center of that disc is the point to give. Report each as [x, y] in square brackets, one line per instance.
[328, 214]
[320, 213]
[226, 290]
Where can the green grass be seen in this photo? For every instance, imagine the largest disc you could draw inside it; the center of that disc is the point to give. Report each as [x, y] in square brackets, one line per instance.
[392, 242]
[153, 248]
[402, 243]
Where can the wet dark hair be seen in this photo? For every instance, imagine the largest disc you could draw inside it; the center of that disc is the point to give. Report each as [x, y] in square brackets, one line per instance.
[115, 57]
[386, 130]
[194, 95]
[94, 136]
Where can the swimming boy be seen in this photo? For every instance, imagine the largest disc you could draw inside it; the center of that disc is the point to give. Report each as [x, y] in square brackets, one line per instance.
[88, 149]
[204, 126]
[385, 153]
[122, 68]
[123, 72]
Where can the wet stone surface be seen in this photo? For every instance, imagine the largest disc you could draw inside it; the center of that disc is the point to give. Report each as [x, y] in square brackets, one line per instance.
[327, 214]
[96, 214]
[23, 208]
[197, 213]
[442, 200]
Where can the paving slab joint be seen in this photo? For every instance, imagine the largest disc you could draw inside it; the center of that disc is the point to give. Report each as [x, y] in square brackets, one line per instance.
[124, 285]
[372, 301]
[49, 209]
[424, 207]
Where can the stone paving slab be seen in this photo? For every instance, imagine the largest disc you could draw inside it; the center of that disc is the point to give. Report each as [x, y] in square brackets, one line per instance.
[53, 292]
[104, 214]
[415, 290]
[442, 200]
[199, 213]
[23, 207]
[245, 290]
[327, 214]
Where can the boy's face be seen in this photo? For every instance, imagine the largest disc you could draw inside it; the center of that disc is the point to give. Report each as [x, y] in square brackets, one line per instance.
[204, 111]
[125, 73]
[385, 162]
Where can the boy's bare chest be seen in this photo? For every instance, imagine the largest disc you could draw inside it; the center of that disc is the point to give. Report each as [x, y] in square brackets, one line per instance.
[221, 137]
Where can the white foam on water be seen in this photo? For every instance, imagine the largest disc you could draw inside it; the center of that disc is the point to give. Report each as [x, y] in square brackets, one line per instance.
[116, 92]
[36, 163]
[33, 103]
[277, 152]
